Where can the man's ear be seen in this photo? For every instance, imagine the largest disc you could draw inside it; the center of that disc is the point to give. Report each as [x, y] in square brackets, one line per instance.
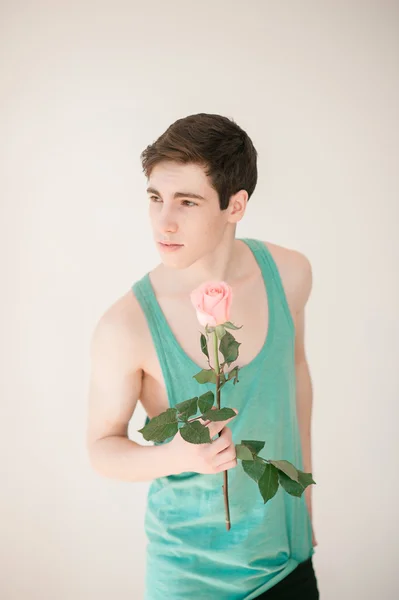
[237, 206]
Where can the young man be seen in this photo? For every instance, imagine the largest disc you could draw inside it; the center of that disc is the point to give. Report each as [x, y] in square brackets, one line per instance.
[201, 174]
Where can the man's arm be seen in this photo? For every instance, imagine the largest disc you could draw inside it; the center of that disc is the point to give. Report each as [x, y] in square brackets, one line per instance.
[304, 390]
[114, 390]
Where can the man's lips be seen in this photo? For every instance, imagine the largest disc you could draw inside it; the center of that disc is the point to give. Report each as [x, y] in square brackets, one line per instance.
[169, 244]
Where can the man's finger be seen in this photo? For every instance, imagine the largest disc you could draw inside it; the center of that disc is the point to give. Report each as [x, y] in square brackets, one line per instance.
[217, 426]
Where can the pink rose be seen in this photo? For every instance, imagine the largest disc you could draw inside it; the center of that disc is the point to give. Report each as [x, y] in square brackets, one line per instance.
[212, 301]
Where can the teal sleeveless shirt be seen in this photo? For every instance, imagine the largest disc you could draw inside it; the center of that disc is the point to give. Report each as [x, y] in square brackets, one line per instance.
[190, 553]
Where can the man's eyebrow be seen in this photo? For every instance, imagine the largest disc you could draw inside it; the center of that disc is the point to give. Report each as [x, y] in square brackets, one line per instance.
[152, 190]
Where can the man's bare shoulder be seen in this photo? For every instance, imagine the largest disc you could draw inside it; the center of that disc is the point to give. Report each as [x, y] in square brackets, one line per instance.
[295, 271]
[116, 372]
[123, 325]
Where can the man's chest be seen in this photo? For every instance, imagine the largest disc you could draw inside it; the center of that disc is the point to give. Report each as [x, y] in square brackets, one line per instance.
[181, 330]
[249, 310]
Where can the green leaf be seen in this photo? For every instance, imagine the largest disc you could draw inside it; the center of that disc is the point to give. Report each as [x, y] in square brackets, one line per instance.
[229, 325]
[286, 467]
[254, 446]
[220, 331]
[243, 453]
[305, 478]
[220, 414]
[254, 468]
[206, 376]
[195, 433]
[292, 487]
[205, 401]
[188, 408]
[295, 488]
[204, 346]
[229, 348]
[268, 483]
[233, 373]
[161, 427]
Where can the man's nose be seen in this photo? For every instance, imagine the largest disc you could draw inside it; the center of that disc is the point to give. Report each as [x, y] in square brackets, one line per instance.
[167, 222]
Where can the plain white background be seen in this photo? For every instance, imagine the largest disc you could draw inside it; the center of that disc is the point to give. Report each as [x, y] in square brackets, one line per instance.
[85, 86]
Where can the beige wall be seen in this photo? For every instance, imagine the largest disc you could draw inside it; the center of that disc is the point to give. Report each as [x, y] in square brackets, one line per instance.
[85, 86]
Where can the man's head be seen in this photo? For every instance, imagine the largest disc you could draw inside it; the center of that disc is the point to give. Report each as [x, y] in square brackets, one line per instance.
[206, 155]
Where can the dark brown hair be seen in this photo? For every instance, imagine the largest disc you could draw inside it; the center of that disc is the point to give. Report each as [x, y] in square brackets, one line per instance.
[214, 142]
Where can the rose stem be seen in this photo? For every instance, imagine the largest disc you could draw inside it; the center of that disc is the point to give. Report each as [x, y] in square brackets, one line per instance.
[225, 486]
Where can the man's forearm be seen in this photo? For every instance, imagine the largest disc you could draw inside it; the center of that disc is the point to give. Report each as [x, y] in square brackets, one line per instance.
[120, 458]
[304, 400]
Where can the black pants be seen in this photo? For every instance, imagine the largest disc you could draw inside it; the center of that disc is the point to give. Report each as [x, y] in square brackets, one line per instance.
[300, 584]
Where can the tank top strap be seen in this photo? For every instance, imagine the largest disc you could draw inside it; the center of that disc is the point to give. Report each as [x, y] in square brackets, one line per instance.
[272, 278]
[155, 318]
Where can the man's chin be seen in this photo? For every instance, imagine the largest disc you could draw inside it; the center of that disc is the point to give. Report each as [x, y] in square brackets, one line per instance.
[172, 263]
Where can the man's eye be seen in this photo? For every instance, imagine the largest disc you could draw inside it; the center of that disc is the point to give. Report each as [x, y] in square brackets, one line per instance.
[154, 198]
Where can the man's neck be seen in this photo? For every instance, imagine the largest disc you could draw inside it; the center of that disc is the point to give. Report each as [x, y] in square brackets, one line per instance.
[228, 262]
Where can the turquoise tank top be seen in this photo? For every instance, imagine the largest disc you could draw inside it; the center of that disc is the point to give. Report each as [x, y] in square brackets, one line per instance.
[190, 553]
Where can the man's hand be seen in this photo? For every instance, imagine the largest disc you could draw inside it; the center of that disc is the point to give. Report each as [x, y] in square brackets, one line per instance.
[208, 458]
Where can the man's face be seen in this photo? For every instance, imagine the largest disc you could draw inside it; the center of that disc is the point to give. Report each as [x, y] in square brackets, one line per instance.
[197, 224]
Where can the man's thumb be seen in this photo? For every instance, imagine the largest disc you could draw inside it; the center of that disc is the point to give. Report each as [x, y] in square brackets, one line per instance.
[217, 426]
